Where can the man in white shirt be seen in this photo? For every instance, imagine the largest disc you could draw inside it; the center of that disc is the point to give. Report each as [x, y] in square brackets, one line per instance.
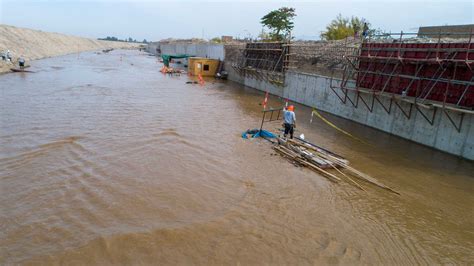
[289, 120]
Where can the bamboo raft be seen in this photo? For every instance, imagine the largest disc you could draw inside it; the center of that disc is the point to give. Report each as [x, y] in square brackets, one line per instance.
[320, 160]
[20, 70]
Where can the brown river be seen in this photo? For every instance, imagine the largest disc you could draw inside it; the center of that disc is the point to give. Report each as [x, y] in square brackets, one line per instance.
[104, 160]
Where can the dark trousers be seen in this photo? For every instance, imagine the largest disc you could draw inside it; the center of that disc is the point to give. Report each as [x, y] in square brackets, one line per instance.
[289, 129]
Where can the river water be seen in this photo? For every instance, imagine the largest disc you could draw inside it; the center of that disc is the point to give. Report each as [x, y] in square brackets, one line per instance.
[104, 160]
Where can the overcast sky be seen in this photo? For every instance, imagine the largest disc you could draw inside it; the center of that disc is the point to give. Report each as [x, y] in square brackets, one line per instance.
[154, 20]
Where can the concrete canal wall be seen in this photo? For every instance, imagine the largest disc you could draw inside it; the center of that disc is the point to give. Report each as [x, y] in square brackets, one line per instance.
[314, 91]
[208, 50]
[213, 51]
[153, 48]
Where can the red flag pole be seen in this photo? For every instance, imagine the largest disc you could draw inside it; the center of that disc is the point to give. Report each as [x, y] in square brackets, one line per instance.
[265, 101]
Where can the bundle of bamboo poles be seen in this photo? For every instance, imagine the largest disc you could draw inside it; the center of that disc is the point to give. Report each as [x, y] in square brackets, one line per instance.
[320, 160]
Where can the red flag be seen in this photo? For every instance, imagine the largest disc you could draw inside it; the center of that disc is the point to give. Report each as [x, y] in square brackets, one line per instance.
[265, 101]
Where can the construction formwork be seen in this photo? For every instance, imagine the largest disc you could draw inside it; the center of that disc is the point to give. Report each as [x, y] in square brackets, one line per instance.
[322, 57]
[429, 76]
[264, 61]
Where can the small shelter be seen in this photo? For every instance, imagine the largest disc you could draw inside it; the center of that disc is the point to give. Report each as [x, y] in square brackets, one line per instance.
[202, 66]
[167, 58]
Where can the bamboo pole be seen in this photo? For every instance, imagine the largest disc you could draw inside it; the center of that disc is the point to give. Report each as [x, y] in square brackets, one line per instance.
[324, 172]
[370, 179]
[308, 146]
[346, 176]
[311, 156]
[307, 164]
[356, 172]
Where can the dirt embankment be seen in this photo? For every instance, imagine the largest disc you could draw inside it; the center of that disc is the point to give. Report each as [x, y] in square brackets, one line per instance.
[34, 44]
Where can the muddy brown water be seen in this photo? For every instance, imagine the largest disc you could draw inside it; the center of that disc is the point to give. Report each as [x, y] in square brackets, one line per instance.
[108, 161]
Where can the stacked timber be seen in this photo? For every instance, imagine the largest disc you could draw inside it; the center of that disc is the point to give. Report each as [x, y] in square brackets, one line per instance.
[318, 159]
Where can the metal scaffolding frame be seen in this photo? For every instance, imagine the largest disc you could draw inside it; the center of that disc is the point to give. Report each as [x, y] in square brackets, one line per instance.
[267, 61]
[378, 65]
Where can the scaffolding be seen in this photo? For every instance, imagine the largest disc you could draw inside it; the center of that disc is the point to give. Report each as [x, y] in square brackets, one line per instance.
[427, 76]
[323, 57]
[265, 61]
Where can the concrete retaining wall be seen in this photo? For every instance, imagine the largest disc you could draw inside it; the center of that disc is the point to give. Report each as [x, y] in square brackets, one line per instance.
[153, 47]
[314, 91]
[214, 51]
[434, 31]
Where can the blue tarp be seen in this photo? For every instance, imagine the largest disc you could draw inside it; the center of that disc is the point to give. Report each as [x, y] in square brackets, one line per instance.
[255, 133]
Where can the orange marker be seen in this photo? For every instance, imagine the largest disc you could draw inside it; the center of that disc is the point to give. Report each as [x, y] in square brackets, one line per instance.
[201, 80]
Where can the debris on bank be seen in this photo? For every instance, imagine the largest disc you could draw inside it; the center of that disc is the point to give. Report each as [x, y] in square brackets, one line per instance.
[170, 70]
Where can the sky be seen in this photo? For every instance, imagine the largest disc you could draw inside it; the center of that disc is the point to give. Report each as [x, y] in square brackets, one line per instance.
[159, 19]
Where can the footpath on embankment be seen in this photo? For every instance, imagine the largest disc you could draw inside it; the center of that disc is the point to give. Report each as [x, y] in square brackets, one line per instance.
[35, 44]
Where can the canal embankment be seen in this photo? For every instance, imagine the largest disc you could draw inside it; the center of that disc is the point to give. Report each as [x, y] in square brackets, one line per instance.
[34, 44]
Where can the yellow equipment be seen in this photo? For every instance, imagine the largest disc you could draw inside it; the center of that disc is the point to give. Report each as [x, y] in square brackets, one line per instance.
[202, 66]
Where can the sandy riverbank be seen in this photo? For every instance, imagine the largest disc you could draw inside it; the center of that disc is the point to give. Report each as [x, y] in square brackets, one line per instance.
[34, 44]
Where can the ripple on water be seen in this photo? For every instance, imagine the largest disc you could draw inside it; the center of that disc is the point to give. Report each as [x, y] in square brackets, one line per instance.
[108, 163]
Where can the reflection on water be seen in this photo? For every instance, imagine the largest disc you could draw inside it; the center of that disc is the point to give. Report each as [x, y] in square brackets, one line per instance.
[105, 160]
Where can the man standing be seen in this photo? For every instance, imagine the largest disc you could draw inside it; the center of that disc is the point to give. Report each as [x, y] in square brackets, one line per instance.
[289, 120]
[21, 62]
[365, 31]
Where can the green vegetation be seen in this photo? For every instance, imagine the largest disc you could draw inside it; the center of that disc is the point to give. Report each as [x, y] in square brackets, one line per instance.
[280, 22]
[216, 40]
[341, 28]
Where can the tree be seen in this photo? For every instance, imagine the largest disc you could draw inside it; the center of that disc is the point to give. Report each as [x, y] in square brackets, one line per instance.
[341, 28]
[280, 22]
[144, 41]
[216, 40]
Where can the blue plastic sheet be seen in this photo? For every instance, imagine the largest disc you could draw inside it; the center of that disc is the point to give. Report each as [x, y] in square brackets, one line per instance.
[256, 133]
